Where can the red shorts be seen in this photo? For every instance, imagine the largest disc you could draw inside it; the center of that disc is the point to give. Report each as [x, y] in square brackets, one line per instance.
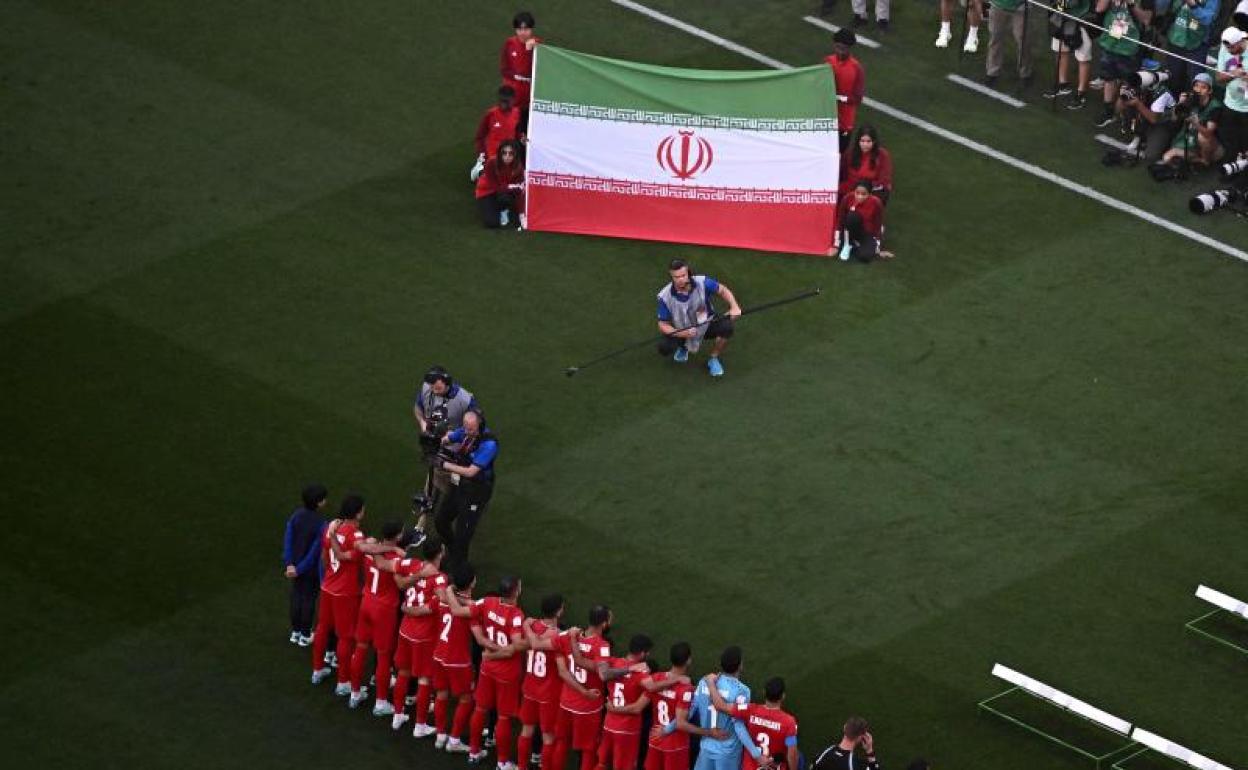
[657, 759]
[618, 751]
[416, 657]
[544, 715]
[582, 729]
[457, 679]
[493, 694]
[338, 613]
[378, 626]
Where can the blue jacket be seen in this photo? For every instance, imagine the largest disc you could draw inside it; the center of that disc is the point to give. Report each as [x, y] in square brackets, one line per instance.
[302, 544]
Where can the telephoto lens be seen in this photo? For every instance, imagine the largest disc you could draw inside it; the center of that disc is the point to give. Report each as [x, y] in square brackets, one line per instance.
[1229, 170]
[1210, 201]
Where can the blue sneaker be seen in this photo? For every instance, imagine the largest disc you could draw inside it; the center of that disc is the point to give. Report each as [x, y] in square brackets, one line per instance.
[681, 356]
[715, 367]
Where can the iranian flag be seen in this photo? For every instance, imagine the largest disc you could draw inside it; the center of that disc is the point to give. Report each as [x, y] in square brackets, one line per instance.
[745, 159]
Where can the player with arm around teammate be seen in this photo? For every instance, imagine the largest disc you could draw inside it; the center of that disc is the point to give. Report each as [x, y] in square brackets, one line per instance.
[626, 700]
[724, 753]
[542, 688]
[418, 632]
[671, 697]
[772, 728]
[499, 628]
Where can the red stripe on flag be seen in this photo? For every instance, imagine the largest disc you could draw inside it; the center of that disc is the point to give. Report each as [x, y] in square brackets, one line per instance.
[789, 227]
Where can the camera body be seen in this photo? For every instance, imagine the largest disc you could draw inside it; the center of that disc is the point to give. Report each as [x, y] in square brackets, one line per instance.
[437, 425]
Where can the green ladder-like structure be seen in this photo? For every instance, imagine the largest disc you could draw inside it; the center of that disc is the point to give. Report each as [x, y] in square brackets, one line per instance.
[1222, 604]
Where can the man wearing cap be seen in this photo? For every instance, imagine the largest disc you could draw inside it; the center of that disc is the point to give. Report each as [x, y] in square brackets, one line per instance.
[1231, 73]
[1189, 37]
[1011, 16]
[1197, 139]
[851, 82]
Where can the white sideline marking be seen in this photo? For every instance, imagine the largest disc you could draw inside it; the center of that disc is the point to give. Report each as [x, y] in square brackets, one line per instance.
[1056, 696]
[1110, 141]
[1175, 751]
[946, 134]
[818, 22]
[1221, 600]
[985, 90]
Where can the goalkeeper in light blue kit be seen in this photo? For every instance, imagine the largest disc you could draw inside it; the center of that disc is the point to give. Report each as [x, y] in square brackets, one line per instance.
[725, 754]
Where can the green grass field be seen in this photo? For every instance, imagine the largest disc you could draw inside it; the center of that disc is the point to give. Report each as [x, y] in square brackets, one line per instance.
[235, 234]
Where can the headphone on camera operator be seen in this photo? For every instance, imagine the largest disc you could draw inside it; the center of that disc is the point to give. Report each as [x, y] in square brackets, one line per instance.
[460, 458]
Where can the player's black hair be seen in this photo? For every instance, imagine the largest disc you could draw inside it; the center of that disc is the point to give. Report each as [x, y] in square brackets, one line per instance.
[551, 604]
[432, 548]
[676, 264]
[313, 495]
[507, 585]
[730, 660]
[681, 653]
[351, 506]
[640, 644]
[463, 576]
[774, 689]
[391, 530]
[523, 19]
[506, 91]
[864, 184]
[599, 614]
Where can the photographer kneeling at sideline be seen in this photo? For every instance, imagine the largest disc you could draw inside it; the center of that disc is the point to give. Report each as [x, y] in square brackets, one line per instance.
[468, 456]
[1144, 105]
[1196, 141]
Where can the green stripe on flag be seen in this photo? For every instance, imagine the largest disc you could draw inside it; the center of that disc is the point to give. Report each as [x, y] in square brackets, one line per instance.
[569, 77]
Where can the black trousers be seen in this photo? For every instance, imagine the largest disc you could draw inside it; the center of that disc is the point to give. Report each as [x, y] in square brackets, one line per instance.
[863, 247]
[458, 518]
[720, 326]
[491, 206]
[303, 593]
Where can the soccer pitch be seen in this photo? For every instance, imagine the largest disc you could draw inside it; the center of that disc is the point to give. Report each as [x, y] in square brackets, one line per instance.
[236, 234]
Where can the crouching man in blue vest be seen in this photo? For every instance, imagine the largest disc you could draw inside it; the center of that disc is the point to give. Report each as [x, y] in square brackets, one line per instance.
[686, 317]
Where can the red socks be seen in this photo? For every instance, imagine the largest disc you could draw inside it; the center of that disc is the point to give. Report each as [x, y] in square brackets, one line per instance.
[440, 707]
[588, 760]
[524, 746]
[383, 675]
[400, 692]
[474, 731]
[462, 712]
[558, 756]
[502, 738]
[357, 667]
[422, 705]
[345, 648]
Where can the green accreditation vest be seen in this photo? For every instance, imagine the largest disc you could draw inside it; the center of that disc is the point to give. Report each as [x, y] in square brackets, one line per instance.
[1006, 5]
[1078, 8]
[1186, 32]
[1123, 35]
[1203, 115]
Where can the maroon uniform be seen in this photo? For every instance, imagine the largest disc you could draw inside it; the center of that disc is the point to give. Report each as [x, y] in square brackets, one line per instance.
[496, 126]
[515, 64]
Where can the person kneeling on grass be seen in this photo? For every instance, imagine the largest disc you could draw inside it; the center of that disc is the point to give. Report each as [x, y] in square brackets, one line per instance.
[1197, 138]
[861, 218]
[500, 188]
[867, 160]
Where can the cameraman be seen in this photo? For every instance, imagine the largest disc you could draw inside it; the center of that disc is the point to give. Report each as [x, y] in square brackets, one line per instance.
[1147, 111]
[1120, 47]
[440, 408]
[467, 455]
[1197, 138]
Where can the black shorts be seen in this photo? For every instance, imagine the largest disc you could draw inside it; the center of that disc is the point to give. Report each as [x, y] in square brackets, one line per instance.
[1116, 66]
[720, 327]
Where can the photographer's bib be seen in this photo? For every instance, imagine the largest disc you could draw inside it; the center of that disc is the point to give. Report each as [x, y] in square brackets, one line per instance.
[694, 309]
[1123, 35]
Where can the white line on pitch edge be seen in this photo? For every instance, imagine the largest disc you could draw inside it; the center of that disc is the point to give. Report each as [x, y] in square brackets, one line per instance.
[1117, 145]
[944, 133]
[818, 22]
[985, 90]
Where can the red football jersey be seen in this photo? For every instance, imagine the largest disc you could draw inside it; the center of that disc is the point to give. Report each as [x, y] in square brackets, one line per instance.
[500, 622]
[423, 593]
[771, 730]
[663, 708]
[621, 692]
[496, 126]
[541, 681]
[454, 647]
[379, 585]
[515, 59]
[593, 648]
[342, 578]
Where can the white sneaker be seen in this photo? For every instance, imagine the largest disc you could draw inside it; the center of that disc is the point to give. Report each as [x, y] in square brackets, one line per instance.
[506, 766]
[398, 720]
[343, 688]
[382, 708]
[456, 746]
[294, 637]
[1096, 84]
[304, 641]
[524, 221]
[422, 730]
[943, 37]
[331, 659]
[357, 698]
[439, 742]
[504, 218]
[475, 759]
[321, 674]
[536, 759]
[972, 42]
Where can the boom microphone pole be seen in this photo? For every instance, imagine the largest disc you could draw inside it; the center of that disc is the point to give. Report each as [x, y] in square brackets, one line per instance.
[807, 294]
